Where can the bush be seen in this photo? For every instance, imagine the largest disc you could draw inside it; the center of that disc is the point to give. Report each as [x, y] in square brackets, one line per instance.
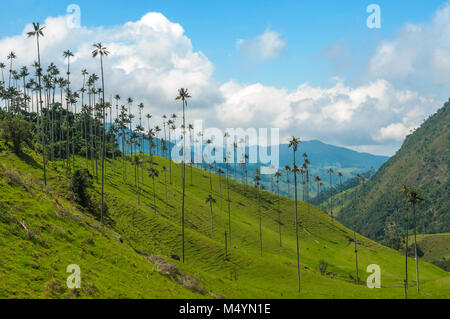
[323, 265]
[16, 130]
[12, 177]
[81, 181]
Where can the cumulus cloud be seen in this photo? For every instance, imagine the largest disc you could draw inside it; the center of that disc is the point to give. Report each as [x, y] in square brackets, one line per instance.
[376, 115]
[419, 54]
[264, 46]
[150, 59]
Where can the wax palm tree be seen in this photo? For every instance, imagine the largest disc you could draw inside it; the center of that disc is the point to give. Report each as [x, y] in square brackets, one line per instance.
[405, 191]
[317, 179]
[361, 180]
[257, 182]
[67, 54]
[340, 175]
[37, 32]
[226, 160]
[293, 143]
[330, 171]
[137, 161]
[278, 175]
[102, 51]
[287, 168]
[414, 198]
[11, 56]
[211, 201]
[220, 172]
[210, 177]
[183, 95]
[245, 170]
[164, 170]
[153, 173]
[2, 68]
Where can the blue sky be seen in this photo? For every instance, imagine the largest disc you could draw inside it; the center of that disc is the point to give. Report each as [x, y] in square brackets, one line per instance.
[311, 68]
[309, 28]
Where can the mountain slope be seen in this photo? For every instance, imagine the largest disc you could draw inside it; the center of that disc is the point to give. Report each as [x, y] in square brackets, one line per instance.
[112, 259]
[422, 163]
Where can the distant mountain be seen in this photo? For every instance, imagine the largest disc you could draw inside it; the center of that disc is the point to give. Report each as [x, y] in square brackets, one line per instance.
[321, 154]
[422, 163]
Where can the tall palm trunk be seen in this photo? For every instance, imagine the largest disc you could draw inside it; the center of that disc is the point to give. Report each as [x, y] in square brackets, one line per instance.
[212, 219]
[331, 197]
[170, 159]
[406, 254]
[229, 210]
[279, 211]
[415, 247]
[103, 137]
[260, 221]
[154, 194]
[42, 113]
[183, 174]
[288, 184]
[296, 225]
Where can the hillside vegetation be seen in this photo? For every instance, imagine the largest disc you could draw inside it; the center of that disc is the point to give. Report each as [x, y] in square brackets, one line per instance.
[43, 230]
[421, 163]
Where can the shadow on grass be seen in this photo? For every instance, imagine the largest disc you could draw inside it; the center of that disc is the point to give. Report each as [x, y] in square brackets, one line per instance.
[29, 160]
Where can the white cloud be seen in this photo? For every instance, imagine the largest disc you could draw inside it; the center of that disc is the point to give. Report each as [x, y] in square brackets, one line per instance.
[265, 46]
[374, 116]
[150, 59]
[394, 131]
[418, 55]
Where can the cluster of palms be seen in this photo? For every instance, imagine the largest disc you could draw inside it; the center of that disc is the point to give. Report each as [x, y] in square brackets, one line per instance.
[63, 131]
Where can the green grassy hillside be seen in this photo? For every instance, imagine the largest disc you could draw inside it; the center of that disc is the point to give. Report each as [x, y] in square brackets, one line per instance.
[43, 231]
[435, 249]
[422, 163]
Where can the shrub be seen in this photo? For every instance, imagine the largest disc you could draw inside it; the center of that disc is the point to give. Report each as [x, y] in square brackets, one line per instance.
[323, 265]
[16, 130]
[81, 181]
[13, 177]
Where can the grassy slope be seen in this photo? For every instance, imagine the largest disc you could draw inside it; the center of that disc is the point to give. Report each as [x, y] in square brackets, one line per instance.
[436, 248]
[112, 269]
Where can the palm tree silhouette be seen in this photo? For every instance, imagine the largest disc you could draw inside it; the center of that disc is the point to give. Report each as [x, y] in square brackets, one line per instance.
[101, 51]
[257, 181]
[340, 175]
[220, 172]
[226, 160]
[278, 175]
[317, 179]
[211, 200]
[37, 32]
[287, 168]
[405, 191]
[293, 143]
[414, 198]
[183, 95]
[153, 173]
[164, 170]
[67, 54]
[330, 171]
